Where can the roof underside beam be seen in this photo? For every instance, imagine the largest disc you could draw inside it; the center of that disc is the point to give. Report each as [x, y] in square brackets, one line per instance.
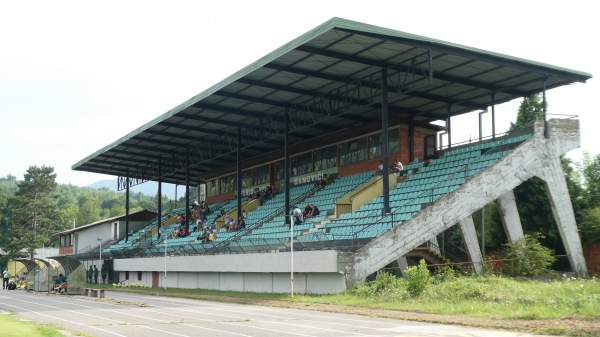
[485, 57]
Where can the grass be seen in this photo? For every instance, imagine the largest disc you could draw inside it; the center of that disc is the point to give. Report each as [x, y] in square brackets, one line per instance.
[490, 297]
[11, 327]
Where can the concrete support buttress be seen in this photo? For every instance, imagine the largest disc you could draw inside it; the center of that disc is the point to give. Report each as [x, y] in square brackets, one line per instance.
[562, 209]
[469, 236]
[403, 264]
[435, 245]
[507, 207]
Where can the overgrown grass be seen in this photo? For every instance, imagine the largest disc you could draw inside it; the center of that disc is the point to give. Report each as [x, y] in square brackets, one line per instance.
[491, 297]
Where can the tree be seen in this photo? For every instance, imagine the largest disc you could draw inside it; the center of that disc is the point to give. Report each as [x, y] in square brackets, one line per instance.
[89, 211]
[590, 173]
[33, 211]
[530, 109]
[589, 227]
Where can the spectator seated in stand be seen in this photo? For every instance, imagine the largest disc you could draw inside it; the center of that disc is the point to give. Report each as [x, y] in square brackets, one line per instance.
[203, 237]
[298, 216]
[175, 233]
[241, 224]
[313, 211]
[324, 180]
[306, 210]
[379, 168]
[211, 236]
[397, 166]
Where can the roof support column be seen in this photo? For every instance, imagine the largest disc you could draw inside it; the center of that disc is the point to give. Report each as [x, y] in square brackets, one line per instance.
[238, 171]
[494, 115]
[286, 165]
[449, 127]
[411, 140]
[127, 208]
[187, 187]
[384, 141]
[159, 206]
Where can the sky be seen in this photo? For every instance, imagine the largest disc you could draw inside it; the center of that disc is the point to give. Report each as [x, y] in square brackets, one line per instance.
[78, 75]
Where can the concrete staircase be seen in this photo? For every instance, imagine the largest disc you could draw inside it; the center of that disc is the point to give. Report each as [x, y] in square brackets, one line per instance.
[539, 156]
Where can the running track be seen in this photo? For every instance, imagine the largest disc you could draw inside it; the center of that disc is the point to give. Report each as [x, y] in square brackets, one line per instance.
[125, 314]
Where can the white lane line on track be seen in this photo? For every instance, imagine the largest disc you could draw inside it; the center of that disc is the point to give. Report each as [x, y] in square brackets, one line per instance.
[313, 317]
[111, 310]
[179, 315]
[194, 326]
[183, 315]
[65, 310]
[64, 320]
[376, 329]
[137, 325]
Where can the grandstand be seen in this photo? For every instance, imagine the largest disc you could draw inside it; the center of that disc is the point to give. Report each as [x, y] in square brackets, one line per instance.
[336, 101]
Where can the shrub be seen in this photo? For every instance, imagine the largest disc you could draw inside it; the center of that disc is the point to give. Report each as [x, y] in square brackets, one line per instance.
[385, 284]
[417, 278]
[527, 257]
[444, 273]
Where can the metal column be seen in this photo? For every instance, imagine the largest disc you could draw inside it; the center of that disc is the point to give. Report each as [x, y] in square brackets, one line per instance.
[286, 166]
[384, 142]
[411, 140]
[159, 194]
[187, 188]
[239, 172]
[449, 127]
[127, 208]
[494, 116]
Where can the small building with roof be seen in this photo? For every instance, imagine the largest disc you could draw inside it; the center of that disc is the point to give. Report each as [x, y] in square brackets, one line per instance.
[88, 237]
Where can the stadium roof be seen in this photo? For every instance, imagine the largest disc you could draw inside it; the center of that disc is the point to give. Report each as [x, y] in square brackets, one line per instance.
[326, 80]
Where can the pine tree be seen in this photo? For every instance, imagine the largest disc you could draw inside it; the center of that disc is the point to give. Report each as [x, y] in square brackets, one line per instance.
[530, 109]
[33, 211]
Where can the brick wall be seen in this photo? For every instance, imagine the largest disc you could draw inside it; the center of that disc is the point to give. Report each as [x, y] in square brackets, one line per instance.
[592, 258]
[404, 151]
[419, 145]
[221, 197]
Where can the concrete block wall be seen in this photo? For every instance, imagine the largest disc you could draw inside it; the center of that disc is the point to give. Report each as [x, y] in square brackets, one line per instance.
[315, 272]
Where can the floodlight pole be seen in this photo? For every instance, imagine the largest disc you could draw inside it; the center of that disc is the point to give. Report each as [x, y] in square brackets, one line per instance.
[292, 255]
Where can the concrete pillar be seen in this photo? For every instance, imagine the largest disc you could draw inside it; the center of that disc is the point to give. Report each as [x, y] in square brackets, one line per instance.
[435, 245]
[562, 209]
[403, 264]
[507, 207]
[469, 236]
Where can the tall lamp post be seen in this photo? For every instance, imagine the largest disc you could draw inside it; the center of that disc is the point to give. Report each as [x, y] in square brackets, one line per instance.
[292, 255]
